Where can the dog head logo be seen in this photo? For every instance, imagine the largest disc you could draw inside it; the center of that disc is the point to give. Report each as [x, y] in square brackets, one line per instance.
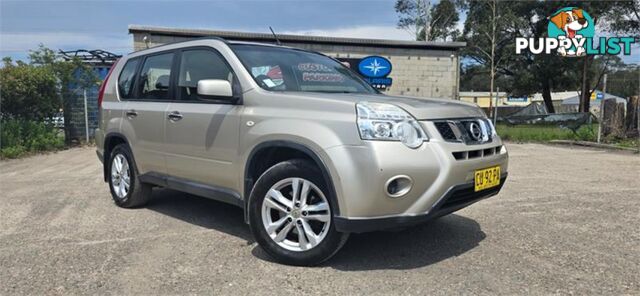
[571, 25]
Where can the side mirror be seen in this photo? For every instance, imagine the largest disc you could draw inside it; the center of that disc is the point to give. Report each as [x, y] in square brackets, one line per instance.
[213, 89]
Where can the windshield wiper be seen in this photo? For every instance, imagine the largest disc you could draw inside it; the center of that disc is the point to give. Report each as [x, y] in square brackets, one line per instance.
[337, 91]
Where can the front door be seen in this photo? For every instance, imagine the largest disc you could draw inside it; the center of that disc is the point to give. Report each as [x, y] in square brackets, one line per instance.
[202, 135]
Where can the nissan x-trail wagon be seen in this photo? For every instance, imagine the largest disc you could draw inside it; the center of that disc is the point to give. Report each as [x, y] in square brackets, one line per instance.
[305, 146]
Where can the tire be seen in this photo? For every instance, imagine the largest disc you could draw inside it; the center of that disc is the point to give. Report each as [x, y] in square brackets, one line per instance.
[314, 218]
[138, 193]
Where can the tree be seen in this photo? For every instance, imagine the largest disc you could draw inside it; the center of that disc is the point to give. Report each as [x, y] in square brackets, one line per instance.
[427, 22]
[531, 73]
[624, 18]
[488, 36]
[475, 77]
[612, 16]
[28, 92]
[622, 79]
[72, 76]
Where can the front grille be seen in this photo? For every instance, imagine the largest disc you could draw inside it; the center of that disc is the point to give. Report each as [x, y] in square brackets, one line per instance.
[446, 131]
[471, 154]
[467, 195]
[469, 131]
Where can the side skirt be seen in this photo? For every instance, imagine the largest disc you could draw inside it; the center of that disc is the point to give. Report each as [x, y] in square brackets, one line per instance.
[208, 191]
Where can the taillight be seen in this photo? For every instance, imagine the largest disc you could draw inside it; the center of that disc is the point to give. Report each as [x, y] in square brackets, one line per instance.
[104, 85]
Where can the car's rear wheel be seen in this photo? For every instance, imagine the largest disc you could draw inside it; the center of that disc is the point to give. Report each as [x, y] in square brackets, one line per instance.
[126, 189]
[291, 215]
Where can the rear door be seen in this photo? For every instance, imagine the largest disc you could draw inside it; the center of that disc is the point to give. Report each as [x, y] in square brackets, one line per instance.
[202, 136]
[145, 112]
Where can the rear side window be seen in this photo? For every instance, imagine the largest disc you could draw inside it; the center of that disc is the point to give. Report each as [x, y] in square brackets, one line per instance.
[125, 81]
[199, 64]
[155, 77]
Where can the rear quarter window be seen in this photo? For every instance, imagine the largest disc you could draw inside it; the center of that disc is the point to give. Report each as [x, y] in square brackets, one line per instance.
[125, 80]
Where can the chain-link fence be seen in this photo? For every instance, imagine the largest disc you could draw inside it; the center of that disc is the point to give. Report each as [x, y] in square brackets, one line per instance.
[82, 117]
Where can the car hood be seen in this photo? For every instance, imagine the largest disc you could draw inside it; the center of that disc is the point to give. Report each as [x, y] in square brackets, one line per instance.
[420, 108]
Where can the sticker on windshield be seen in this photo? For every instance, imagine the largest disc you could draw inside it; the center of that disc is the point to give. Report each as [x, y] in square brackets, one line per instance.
[268, 83]
[322, 77]
[313, 67]
[314, 72]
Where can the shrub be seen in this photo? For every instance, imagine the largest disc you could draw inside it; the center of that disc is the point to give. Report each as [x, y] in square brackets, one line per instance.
[545, 133]
[19, 137]
[28, 91]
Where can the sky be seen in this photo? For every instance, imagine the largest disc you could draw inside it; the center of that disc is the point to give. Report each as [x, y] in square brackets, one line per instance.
[91, 24]
[103, 24]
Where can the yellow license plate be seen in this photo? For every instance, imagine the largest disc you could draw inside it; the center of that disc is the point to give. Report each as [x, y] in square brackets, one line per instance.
[487, 178]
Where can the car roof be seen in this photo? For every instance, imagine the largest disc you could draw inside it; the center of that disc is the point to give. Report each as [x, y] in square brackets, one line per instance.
[212, 38]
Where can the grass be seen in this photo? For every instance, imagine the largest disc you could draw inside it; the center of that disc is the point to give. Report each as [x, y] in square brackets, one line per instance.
[628, 143]
[19, 138]
[546, 133]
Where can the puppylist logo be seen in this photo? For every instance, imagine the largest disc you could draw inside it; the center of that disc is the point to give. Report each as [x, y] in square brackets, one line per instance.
[571, 33]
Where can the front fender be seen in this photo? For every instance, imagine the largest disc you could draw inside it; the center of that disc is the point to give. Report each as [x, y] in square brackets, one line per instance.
[310, 137]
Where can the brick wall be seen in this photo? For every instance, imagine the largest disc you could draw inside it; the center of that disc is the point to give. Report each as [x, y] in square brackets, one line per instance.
[416, 72]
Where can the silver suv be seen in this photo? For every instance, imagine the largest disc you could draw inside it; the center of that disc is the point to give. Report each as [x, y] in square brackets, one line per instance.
[306, 147]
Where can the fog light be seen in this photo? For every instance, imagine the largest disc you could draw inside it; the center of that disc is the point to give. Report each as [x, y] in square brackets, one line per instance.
[398, 186]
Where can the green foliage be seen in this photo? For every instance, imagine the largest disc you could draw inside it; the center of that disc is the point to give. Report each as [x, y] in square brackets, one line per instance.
[28, 92]
[69, 73]
[441, 17]
[546, 133]
[628, 143]
[623, 81]
[476, 78]
[37, 90]
[19, 137]
[624, 18]
[527, 73]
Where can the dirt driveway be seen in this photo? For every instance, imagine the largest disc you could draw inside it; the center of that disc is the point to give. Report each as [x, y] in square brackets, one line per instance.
[567, 221]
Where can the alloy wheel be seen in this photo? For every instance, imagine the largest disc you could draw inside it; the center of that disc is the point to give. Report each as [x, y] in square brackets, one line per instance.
[120, 176]
[296, 214]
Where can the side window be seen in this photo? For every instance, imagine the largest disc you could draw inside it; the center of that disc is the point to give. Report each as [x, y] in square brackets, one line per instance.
[155, 77]
[125, 81]
[199, 64]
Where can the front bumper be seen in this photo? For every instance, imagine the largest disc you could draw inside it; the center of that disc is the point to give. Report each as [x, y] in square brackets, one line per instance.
[360, 174]
[456, 198]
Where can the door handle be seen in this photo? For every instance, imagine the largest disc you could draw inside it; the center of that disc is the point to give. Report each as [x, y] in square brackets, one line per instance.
[132, 113]
[174, 116]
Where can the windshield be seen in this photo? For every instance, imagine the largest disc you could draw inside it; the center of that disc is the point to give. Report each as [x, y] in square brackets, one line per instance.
[284, 69]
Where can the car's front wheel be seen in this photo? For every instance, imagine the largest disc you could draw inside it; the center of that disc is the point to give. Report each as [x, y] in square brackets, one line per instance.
[291, 214]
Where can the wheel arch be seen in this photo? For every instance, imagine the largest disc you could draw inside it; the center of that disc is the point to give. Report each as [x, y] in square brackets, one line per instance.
[110, 141]
[263, 149]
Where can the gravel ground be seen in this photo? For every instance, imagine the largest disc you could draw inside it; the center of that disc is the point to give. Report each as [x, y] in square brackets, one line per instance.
[566, 222]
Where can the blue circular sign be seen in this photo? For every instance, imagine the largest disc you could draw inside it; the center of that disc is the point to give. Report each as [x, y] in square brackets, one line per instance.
[374, 66]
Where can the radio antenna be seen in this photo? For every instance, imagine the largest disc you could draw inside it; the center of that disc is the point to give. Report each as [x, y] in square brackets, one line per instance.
[275, 36]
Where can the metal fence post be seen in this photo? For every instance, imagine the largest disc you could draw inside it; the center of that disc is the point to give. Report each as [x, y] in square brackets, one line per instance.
[495, 112]
[86, 118]
[601, 117]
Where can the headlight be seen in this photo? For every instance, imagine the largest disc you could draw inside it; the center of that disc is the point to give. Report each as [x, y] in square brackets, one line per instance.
[386, 122]
[492, 128]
